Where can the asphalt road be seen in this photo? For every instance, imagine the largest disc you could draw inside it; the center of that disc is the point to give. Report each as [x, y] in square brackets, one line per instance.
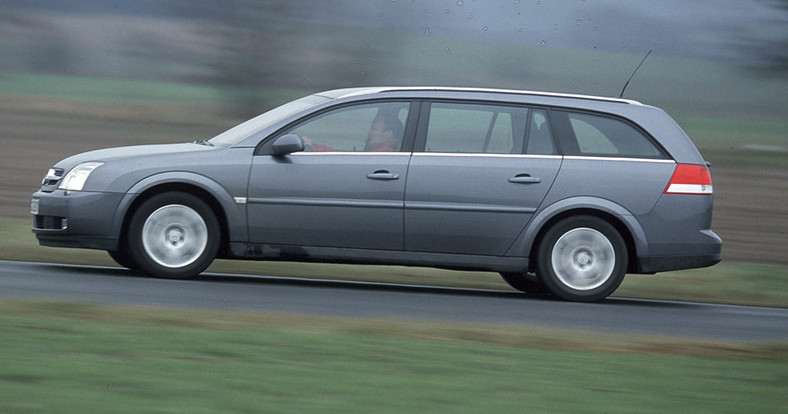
[107, 285]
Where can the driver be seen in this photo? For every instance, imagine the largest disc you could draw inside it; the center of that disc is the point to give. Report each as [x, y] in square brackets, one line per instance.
[385, 135]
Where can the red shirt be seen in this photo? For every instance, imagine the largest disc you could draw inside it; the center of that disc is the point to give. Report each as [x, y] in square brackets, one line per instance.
[391, 145]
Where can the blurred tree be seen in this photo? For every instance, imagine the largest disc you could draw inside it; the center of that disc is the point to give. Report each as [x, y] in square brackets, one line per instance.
[770, 58]
[247, 53]
[268, 44]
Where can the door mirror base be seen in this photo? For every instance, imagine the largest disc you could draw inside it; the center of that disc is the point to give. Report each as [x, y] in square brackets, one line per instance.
[287, 144]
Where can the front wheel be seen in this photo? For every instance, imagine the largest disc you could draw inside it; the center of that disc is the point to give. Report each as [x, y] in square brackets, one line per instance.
[173, 235]
[582, 258]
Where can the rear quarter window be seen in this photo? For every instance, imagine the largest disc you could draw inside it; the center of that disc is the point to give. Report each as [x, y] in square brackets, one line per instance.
[583, 133]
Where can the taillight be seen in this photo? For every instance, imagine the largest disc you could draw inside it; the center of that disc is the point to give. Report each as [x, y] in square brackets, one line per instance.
[690, 179]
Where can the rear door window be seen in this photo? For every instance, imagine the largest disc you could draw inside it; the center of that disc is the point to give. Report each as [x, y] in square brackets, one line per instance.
[591, 134]
[473, 128]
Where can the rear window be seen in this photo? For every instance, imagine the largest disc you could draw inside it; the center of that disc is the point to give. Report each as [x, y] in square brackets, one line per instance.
[591, 134]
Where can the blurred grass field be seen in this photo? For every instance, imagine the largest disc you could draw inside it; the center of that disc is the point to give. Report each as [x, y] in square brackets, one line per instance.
[128, 359]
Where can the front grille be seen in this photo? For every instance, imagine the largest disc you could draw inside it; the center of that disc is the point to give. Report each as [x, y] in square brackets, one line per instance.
[50, 222]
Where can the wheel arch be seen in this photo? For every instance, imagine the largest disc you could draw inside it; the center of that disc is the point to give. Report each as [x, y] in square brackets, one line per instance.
[222, 204]
[620, 218]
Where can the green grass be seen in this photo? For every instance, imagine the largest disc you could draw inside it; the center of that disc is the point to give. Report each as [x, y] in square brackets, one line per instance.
[752, 140]
[102, 90]
[72, 358]
[737, 283]
[728, 282]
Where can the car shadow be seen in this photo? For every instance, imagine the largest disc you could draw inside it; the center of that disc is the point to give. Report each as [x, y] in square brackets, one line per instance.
[436, 290]
[364, 285]
[360, 285]
[87, 270]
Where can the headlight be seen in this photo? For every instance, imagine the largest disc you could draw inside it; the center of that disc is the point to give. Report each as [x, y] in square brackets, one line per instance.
[75, 179]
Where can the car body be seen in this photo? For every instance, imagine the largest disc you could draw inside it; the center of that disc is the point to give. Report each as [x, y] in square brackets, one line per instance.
[576, 189]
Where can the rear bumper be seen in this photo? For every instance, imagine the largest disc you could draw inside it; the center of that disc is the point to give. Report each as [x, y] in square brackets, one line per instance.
[666, 263]
[678, 235]
[704, 250]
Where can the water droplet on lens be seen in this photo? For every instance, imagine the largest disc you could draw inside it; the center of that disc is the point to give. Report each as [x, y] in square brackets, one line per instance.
[485, 28]
[578, 22]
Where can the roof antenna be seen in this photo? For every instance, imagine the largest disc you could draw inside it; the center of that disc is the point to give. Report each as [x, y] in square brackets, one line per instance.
[633, 74]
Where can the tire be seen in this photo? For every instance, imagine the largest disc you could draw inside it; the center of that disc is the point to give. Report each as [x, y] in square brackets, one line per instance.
[173, 235]
[524, 282]
[582, 259]
[122, 257]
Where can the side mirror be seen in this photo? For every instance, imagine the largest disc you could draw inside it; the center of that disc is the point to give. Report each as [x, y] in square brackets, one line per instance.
[287, 144]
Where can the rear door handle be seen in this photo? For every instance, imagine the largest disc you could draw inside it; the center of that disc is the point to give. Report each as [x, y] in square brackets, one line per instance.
[383, 175]
[525, 179]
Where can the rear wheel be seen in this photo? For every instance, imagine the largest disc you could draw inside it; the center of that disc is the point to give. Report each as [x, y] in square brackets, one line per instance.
[173, 235]
[582, 258]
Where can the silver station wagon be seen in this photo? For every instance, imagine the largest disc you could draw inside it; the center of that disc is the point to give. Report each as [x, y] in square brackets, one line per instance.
[558, 193]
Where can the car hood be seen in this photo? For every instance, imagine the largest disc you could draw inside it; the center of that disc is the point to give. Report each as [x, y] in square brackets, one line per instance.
[138, 152]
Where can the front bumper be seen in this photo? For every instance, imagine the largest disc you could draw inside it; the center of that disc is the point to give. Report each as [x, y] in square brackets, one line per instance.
[76, 219]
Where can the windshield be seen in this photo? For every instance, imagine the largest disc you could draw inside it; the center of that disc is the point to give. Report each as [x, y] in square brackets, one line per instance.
[245, 129]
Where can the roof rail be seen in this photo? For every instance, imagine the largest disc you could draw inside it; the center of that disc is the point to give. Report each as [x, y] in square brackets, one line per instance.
[491, 90]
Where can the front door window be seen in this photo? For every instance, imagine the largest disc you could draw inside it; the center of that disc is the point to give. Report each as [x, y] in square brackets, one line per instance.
[377, 127]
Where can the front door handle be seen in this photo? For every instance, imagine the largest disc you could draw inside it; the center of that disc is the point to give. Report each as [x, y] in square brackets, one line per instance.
[525, 179]
[383, 175]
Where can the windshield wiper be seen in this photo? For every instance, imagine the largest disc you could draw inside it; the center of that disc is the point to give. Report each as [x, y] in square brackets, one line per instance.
[203, 142]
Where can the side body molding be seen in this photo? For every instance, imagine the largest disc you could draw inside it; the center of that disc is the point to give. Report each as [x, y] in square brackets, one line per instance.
[526, 239]
[234, 211]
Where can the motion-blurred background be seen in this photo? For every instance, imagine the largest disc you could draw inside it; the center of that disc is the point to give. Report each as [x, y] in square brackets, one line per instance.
[78, 75]
[87, 74]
